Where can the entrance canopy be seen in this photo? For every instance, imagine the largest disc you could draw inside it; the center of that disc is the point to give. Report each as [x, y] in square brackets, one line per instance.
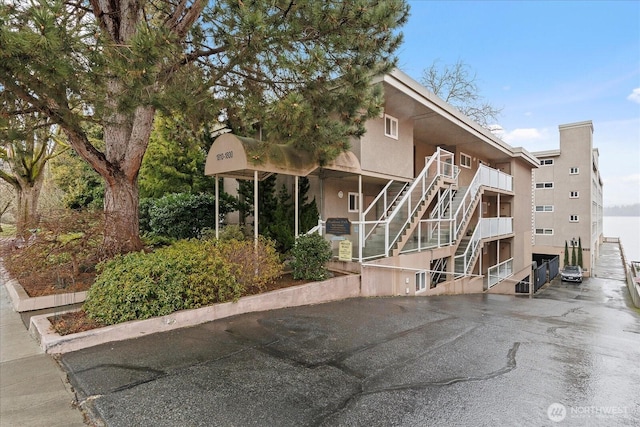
[238, 157]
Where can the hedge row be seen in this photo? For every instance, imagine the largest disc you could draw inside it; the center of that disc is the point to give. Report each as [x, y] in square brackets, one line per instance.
[187, 274]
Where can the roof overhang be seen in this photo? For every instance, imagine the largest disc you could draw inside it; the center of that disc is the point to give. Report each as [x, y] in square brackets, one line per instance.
[238, 157]
[435, 120]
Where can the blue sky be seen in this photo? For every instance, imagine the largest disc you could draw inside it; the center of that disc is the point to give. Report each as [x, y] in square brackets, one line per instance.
[545, 63]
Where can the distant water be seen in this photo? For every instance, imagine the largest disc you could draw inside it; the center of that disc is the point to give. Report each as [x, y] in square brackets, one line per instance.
[627, 228]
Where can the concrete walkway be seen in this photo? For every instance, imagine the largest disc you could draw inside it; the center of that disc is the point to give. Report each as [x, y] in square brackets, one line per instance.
[33, 389]
[609, 262]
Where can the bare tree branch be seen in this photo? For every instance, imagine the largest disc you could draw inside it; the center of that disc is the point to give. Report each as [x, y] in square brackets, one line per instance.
[456, 84]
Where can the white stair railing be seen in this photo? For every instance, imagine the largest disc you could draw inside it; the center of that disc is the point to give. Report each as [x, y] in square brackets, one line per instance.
[469, 254]
[415, 195]
[387, 204]
[467, 203]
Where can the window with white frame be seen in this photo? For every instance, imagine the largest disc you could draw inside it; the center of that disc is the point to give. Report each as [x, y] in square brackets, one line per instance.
[573, 218]
[574, 194]
[354, 202]
[574, 170]
[390, 126]
[421, 280]
[546, 162]
[544, 231]
[543, 185]
[544, 208]
[465, 160]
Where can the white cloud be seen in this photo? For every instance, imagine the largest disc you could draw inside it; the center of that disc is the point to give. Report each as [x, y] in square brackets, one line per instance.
[635, 96]
[533, 139]
[519, 136]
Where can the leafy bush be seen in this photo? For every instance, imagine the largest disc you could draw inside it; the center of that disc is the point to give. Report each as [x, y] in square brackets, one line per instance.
[187, 274]
[206, 270]
[144, 215]
[232, 232]
[253, 268]
[311, 253]
[136, 286]
[182, 215]
[151, 240]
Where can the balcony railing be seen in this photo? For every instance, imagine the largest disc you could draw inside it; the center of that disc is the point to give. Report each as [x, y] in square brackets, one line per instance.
[495, 178]
[494, 227]
[499, 272]
[484, 177]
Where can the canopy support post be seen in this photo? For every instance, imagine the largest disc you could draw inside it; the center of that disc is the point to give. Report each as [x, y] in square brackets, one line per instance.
[297, 220]
[255, 210]
[217, 207]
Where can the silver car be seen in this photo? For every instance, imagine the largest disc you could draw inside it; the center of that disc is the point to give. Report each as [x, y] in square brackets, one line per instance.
[572, 273]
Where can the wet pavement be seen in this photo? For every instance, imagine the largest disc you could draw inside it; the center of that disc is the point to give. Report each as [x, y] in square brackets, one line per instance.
[571, 354]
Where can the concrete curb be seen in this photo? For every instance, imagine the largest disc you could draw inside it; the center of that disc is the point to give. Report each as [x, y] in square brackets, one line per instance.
[337, 288]
[22, 302]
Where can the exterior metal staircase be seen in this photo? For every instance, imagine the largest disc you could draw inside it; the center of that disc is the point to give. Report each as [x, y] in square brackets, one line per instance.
[400, 227]
[389, 233]
[410, 226]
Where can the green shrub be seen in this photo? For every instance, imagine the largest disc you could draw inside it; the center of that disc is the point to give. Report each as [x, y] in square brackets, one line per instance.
[182, 215]
[232, 232]
[208, 276]
[135, 286]
[186, 274]
[254, 268]
[311, 253]
[151, 240]
[144, 215]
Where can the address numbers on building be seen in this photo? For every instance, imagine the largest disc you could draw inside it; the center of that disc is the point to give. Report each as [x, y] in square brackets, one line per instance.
[224, 156]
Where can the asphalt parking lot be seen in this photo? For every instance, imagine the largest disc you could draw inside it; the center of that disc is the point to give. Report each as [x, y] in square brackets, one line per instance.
[449, 360]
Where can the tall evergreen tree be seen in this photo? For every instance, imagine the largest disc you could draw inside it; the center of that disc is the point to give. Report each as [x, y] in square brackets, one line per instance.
[580, 252]
[303, 69]
[174, 161]
[566, 253]
[573, 253]
[280, 228]
[308, 211]
[267, 201]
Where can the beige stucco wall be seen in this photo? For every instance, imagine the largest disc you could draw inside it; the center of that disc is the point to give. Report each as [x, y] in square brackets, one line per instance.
[576, 150]
[382, 154]
[522, 214]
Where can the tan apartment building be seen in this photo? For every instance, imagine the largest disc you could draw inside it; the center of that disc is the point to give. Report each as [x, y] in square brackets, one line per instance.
[568, 197]
[425, 202]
